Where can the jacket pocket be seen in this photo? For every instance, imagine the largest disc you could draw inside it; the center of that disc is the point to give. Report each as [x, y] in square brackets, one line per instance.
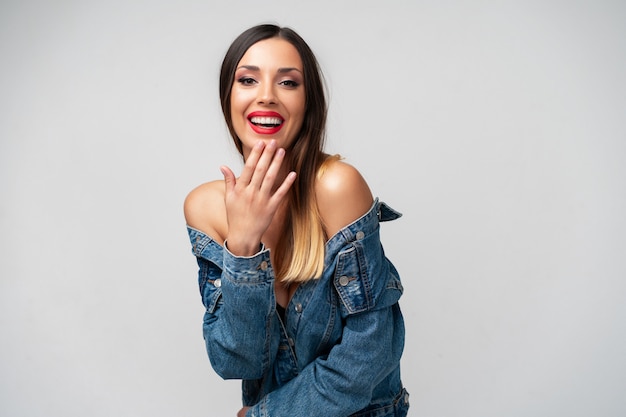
[364, 278]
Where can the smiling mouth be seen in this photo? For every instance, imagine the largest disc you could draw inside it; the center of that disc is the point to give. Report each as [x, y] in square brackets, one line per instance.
[266, 122]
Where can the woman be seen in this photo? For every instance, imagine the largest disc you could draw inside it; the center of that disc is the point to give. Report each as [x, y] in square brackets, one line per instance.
[301, 302]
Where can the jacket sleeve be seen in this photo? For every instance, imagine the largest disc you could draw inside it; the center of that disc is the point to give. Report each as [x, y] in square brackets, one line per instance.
[341, 383]
[240, 303]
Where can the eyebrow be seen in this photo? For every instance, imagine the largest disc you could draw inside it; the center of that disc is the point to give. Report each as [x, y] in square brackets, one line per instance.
[280, 70]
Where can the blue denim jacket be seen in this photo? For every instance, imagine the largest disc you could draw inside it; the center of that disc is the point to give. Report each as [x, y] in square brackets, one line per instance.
[337, 352]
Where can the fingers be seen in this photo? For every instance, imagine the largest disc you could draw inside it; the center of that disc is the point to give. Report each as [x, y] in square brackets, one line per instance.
[253, 198]
[260, 172]
[229, 177]
[284, 187]
[272, 170]
[266, 161]
[251, 163]
[262, 165]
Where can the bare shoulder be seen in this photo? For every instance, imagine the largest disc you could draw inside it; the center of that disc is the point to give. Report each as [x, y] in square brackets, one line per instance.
[342, 195]
[204, 209]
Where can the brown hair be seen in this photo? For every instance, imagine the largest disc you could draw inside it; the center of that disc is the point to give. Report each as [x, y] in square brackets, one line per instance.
[299, 256]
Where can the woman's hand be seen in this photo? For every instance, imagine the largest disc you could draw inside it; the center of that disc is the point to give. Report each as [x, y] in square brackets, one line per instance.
[251, 200]
[242, 412]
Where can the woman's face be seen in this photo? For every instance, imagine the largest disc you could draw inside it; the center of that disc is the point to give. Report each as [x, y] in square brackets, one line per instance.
[267, 98]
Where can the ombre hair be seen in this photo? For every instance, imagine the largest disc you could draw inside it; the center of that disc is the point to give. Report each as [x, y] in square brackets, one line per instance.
[299, 254]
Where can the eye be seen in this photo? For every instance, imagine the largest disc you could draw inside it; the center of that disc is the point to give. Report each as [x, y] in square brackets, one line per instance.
[290, 83]
[246, 81]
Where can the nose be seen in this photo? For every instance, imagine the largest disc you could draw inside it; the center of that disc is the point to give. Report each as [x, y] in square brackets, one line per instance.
[266, 94]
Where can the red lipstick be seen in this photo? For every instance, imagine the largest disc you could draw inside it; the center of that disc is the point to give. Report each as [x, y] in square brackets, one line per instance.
[265, 122]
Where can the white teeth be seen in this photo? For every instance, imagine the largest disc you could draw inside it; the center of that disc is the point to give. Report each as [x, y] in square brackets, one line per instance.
[266, 120]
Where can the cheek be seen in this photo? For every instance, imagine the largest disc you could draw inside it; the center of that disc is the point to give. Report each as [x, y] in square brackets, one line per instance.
[240, 98]
[235, 102]
[297, 108]
[238, 106]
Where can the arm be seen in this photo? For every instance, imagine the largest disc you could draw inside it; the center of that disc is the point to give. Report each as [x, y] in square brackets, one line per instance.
[237, 288]
[239, 329]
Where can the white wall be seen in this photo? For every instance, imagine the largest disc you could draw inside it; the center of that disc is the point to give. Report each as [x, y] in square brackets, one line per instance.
[497, 128]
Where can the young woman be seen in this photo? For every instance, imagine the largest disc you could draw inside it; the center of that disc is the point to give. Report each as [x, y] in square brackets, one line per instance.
[301, 302]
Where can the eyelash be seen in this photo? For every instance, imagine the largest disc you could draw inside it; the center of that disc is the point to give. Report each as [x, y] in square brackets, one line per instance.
[246, 80]
[290, 83]
[250, 81]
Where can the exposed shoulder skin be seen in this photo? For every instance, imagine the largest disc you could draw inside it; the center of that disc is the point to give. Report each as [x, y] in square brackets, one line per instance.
[205, 210]
[342, 196]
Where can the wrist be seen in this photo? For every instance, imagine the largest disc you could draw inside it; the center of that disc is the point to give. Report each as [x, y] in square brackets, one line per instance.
[243, 249]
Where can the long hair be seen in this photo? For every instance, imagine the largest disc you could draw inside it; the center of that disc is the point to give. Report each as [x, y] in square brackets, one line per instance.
[299, 255]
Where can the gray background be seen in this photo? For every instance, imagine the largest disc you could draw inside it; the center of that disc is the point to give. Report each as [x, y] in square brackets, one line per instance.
[497, 128]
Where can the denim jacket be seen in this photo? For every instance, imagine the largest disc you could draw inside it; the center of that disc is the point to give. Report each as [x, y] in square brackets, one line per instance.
[337, 351]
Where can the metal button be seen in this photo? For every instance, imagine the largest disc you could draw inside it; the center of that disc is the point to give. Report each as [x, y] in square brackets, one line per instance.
[360, 235]
[298, 308]
[263, 265]
[290, 340]
[344, 280]
[217, 283]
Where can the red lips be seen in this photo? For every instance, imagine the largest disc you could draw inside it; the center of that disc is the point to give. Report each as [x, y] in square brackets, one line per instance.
[265, 122]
